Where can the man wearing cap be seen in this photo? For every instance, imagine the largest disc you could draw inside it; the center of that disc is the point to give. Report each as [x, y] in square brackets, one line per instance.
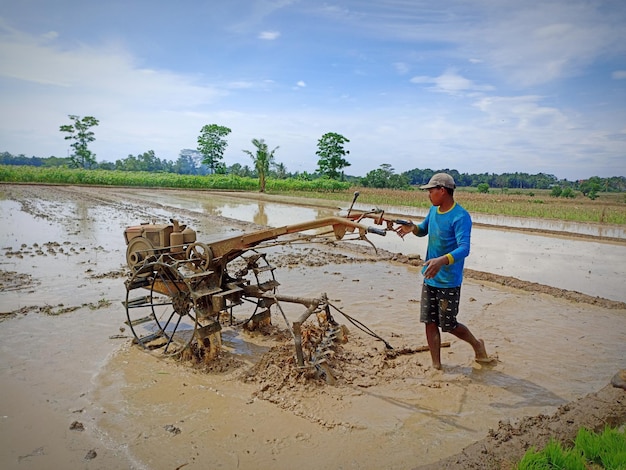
[448, 226]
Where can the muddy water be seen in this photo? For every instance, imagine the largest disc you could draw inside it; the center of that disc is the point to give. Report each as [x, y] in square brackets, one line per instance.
[74, 366]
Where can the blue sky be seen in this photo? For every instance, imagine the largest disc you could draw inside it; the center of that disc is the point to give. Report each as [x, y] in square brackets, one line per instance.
[475, 85]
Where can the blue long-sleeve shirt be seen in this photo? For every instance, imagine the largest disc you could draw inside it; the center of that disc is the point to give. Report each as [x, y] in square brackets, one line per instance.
[448, 234]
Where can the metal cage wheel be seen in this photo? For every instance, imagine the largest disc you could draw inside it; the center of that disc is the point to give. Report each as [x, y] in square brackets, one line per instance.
[252, 269]
[160, 309]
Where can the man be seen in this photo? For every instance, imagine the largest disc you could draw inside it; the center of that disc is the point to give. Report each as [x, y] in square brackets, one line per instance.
[448, 226]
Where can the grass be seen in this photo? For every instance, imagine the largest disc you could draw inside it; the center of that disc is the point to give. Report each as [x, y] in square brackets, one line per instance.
[606, 450]
[608, 208]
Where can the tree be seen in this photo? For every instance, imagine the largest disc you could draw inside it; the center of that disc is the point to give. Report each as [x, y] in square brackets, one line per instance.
[331, 153]
[146, 161]
[483, 188]
[238, 169]
[591, 187]
[81, 134]
[384, 177]
[220, 168]
[556, 191]
[211, 144]
[188, 162]
[280, 170]
[262, 159]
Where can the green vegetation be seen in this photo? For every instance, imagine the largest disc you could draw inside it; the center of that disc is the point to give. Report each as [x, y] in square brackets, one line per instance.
[557, 191]
[605, 451]
[29, 174]
[211, 144]
[146, 161]
[331, 152]
[79, 132]
[263, 159]
[385, 177]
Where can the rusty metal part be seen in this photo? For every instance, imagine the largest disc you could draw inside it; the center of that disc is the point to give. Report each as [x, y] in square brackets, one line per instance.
[179, 289]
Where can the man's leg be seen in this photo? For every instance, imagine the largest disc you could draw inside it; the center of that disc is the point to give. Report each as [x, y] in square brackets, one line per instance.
[433, 337]
[463, 332]
[429, 315]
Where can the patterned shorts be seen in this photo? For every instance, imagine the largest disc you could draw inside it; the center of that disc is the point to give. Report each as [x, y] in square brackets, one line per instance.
[440, 305]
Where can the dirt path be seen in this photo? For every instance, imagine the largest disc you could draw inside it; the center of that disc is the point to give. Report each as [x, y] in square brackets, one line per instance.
[64, 357]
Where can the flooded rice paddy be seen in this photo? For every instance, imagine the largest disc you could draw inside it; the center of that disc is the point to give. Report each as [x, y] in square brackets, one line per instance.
[65, 357]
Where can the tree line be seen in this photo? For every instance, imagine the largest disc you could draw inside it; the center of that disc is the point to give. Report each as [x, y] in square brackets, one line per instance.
[211, 146]
[207, 158]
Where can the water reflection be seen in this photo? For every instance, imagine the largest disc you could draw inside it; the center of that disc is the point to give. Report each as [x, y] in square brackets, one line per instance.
[260, 217]
[208, 207]
[81, 218]
[270, 213]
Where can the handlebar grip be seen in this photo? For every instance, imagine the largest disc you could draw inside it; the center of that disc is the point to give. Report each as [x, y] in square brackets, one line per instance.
[402, 222]
[378, 231]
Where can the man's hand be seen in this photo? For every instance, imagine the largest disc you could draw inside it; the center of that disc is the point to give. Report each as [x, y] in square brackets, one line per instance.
[404, 228]
[432, 266]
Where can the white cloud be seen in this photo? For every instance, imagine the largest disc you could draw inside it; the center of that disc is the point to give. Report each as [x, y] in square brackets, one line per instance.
[619, 75]
[527, 43]
[401, 67]
[50, 35]
[241, 84]
[539, 42]
[451, 82]
[301, 84]
[105, 71]
[522, 113]
[43, 83]
[269, 35]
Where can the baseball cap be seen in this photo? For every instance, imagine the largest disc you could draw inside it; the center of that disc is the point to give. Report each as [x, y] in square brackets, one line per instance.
[440, 179]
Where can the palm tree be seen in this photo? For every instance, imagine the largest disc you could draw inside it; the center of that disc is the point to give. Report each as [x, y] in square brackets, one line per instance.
[281, 171]
[262, 159]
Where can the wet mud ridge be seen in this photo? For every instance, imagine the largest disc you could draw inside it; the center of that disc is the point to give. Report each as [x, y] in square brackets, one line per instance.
[507, 444]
